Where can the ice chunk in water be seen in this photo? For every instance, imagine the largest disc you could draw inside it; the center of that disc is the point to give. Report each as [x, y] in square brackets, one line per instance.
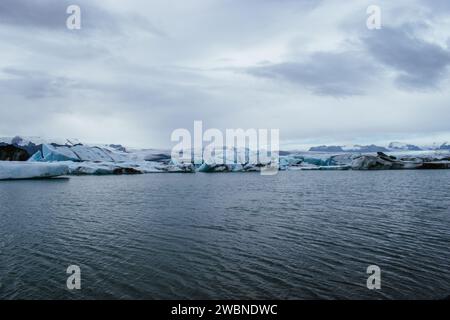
[12, 170]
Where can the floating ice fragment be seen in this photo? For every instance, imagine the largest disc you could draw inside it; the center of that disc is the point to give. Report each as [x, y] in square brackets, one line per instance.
[13, 170]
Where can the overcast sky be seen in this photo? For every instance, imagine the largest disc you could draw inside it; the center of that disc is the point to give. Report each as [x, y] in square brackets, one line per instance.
[137, 70]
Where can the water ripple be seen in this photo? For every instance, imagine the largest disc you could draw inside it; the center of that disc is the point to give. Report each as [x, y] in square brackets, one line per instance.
[307, 235]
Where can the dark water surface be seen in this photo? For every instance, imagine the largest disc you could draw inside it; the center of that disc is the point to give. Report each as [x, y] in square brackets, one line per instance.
[168, 236]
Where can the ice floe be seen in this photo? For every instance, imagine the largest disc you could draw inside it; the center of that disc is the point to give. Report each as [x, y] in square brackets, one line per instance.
[12, 170]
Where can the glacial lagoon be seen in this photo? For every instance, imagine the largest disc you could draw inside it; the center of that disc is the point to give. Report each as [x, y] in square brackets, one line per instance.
[294, 235]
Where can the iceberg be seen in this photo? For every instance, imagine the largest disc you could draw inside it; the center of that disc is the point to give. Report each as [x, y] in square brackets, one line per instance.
[237, 167]
[176, 168]
[315, 161]
[108, 168]
[85, 153]
[37, 157]
[102, 168]
[57, 153]
[384, 162]
[341, 160]
[78, 153]
[158, 156]
[312, 161]
[14, 170]
[205, 167]
[88, 168]
[290, 161]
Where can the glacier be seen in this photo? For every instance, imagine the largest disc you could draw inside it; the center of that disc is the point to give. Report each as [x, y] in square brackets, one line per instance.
[94, 159]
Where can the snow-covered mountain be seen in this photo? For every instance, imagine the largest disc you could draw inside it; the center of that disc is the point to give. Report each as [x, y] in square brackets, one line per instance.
[393, 147]
[349, 148]
[444, 146]
[403, 146]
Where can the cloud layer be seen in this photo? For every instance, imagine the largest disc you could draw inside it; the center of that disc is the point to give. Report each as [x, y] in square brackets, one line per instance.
[138, 69]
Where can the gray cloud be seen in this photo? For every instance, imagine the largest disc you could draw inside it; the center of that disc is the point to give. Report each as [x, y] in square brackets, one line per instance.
[437, 7]
[52, 15]
[419, 64]
[324, 73]
[23, 13]
[33, 84]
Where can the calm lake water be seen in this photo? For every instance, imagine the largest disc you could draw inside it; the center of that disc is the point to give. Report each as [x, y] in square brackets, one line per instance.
[296, 235]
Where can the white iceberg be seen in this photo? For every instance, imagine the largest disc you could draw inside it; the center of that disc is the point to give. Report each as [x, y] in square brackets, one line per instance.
[13, 170]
